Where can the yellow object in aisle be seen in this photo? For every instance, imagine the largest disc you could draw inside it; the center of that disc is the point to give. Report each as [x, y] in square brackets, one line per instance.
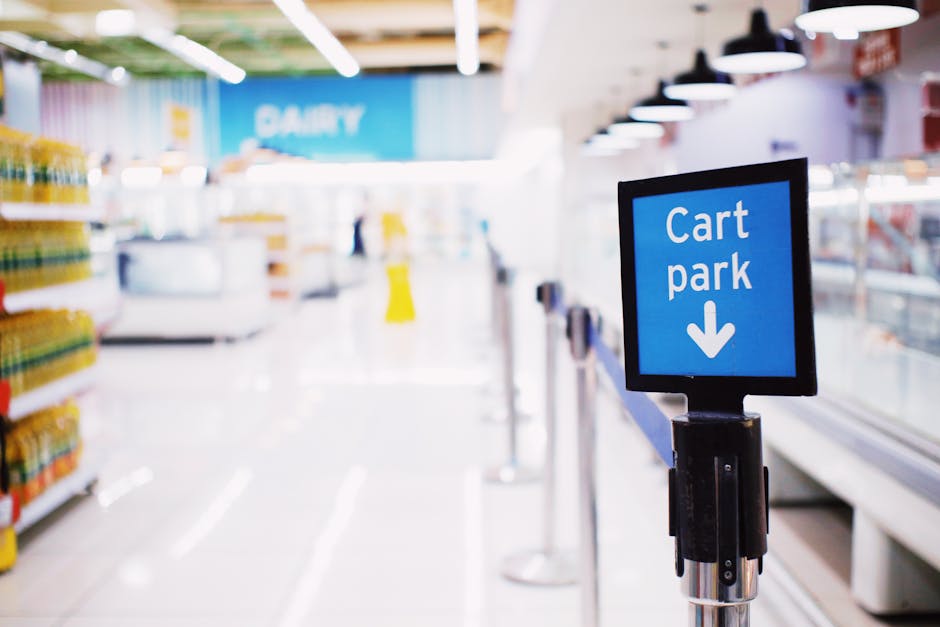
[7, 549]
[401, 307]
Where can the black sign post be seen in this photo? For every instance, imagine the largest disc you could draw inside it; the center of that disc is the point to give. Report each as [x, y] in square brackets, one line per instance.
[717, 305]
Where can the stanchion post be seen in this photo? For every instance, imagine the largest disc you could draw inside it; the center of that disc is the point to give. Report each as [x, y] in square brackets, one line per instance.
[511, 471]
[580, 331]
[547, 566]
[718, 512]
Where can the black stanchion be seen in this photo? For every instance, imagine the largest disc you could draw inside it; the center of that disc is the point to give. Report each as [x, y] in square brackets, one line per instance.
[718, 513]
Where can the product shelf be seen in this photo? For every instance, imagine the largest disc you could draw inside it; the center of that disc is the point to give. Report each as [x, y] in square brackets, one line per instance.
[56, 495]
[94, 295]
[51, 394]
[57, 212]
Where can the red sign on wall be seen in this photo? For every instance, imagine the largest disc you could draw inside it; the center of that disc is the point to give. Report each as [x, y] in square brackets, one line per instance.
[932, 116]
[876, 52]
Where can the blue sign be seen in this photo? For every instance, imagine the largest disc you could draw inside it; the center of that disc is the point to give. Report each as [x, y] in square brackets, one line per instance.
[716, 282]
[323, 118]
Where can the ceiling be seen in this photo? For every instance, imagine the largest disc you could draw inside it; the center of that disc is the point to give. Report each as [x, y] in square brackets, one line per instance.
[609, 55]
[383, 35]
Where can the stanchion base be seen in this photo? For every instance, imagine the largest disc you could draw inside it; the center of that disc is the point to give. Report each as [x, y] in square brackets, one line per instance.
[511, 474]
[538, 568]
[501, 417]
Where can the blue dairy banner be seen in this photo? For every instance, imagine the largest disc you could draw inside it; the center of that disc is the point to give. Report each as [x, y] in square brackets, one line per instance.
[323, 118]
[714, 282]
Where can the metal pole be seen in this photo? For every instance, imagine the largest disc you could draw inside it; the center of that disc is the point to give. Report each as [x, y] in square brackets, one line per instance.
[547, 566]
[579, 333]
[511, 471]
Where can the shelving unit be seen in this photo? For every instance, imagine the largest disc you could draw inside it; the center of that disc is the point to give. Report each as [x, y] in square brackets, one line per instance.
[100, 298]
[93, 295]
[51, 393]
[50, 211]
[57, 495]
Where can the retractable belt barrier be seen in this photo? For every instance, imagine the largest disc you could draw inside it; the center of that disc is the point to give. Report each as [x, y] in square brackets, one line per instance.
[654, 424]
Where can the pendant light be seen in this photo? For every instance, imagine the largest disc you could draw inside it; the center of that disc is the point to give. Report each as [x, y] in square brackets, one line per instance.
[701, 82]
[760, 51]
[661, 108]
[629, 127]
[828, 16]
[626, 126]
[605, 140]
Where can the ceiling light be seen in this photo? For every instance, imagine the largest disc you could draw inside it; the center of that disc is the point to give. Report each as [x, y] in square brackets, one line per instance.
[115, 23]
[66, 58]
[628, 127]
[845, 34]
[195, 54]
[760, 51]
[467, 34]
[828, 16]
[661, 108]
[701, 82]
[592, 150]
[603, 139]
[319, 35]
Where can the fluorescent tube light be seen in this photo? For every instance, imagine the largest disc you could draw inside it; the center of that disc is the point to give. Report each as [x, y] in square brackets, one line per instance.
[467, 33]
[195, 54]
[319, 35]
[115, 23]
[66, 58]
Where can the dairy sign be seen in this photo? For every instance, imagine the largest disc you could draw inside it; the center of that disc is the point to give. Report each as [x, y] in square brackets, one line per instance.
[716, 281]
[324, 118]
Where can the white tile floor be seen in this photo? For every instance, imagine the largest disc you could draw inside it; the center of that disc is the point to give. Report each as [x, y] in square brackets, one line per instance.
[327, 473]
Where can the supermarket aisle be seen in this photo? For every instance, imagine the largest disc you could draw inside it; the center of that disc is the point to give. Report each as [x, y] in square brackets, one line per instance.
[327, 473]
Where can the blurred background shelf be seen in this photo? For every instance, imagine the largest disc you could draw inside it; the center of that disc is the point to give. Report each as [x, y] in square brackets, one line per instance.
[51, 393]
[58, 494]
[51, 211]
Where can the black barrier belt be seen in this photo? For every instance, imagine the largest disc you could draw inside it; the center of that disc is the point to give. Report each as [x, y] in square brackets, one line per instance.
[654, 424]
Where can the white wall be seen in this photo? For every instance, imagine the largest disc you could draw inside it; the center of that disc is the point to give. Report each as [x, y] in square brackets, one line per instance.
[810, 112]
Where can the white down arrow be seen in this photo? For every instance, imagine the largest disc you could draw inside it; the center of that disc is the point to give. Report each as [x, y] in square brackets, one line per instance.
[711, 340]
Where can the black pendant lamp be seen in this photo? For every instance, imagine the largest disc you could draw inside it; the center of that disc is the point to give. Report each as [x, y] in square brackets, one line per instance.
[827, 16]
[661, 108]
[604, 140]
[760, 51]
[626, 126]
[701, 82]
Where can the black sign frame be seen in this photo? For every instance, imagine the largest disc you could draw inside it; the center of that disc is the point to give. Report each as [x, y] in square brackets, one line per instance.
[725, 393]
